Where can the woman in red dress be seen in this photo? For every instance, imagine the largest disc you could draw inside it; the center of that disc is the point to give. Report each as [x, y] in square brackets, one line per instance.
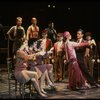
[75, 77]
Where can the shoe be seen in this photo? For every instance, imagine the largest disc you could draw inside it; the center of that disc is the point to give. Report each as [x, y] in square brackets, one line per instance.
[42, 95]
[83, 88]
[44, 92]
[87, 85]
[51, 85]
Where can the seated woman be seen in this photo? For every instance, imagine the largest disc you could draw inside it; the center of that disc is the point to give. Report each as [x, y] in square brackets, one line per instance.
[42, 70]
[38, 47]
[36, 65]
[21, 73]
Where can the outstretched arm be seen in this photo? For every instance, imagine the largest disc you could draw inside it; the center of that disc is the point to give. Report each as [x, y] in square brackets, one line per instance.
[75, 44]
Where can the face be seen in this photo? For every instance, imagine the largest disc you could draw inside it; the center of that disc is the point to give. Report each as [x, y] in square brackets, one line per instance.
[59, 38]
[51, 25]
[88, 38]
[25, 43]
[34, 21]
[67, 35]
[44, 35]
[79, 35]
[19, 22]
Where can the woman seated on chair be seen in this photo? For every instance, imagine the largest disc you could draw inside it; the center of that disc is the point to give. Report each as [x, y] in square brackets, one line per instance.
[21, 73]
[40, 68]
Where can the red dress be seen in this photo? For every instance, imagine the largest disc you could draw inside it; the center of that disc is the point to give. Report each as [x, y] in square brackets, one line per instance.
[75, 77]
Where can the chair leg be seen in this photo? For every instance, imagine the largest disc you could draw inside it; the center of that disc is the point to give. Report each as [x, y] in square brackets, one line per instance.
[9, 88]
[23, 91]
[15, 86]
[20, 89]
[30, 89]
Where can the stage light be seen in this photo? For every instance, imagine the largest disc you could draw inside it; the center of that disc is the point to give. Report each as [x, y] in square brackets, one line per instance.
[49, 6]
[53, 6]
[68, 8]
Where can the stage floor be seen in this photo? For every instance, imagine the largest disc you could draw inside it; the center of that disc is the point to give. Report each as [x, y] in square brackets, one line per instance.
[61, 91]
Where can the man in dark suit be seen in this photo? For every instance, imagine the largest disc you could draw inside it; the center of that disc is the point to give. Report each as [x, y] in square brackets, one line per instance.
[80, 52]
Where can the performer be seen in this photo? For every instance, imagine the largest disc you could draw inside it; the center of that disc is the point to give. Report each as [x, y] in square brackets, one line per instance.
[45, 45]
[15, 33]
[58, 55]
[42, 69]
[21, 73]
[75, 77]
[52, 34]
[80, 52]
[90, 53]
[32, 32]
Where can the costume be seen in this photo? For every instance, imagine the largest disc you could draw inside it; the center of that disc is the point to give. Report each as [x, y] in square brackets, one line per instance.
[75, 76]
[80, 52]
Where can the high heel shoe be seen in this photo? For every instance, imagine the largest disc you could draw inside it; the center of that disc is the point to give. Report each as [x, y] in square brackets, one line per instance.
[41, 95]
[44, 92]
[51, 85]
[87, 85]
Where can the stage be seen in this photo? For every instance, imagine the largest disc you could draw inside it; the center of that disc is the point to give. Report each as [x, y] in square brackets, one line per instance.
[61, 91]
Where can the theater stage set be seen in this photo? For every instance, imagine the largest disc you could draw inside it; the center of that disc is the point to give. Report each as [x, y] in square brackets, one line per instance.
[83, 15]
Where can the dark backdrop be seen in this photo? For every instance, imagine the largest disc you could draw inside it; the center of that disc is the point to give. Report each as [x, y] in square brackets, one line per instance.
[66, 15]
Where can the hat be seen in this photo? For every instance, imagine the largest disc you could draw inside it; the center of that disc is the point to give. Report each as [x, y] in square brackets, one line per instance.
[66, 34]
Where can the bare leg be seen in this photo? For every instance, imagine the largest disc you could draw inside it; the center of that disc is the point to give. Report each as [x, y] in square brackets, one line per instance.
[42, 80]
[34, 78]
[50, 73]
[36, 85]
[48, 79]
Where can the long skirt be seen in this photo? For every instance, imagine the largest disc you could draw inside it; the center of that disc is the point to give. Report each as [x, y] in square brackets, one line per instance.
[75, 77]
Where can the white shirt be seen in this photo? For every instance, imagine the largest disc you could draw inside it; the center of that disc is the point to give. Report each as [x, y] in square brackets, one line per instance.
[59, 46]
[43, 44]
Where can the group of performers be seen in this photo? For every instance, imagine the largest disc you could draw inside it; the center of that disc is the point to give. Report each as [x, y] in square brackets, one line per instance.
[42, 60]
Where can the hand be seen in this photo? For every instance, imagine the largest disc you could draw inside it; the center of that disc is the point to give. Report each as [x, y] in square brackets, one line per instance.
[93, 42]
[53, 60]
[42, 53]
[52, 49]
[49, 52]
[65, 61]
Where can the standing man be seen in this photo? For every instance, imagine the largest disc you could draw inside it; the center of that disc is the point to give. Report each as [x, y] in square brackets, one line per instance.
[32, 32]
[80, 52]
[46, 45]
[52, 34]
[90, 53]
[16, 32]
[58, 55]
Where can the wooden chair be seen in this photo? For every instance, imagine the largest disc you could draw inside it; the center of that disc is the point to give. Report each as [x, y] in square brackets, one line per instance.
[12, 79]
